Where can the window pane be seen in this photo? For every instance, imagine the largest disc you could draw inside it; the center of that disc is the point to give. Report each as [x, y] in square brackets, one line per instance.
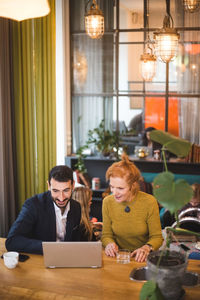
[150, 112]
[130, 79]
[158, 83]
[94, 68]
[185, 70]
[92, 64]
[154, 112]
[78, 9]
[129, 107]
[189, 121]
[157, 11]
[87, 113]
[129, 56]
[131, 14]
[131, 37]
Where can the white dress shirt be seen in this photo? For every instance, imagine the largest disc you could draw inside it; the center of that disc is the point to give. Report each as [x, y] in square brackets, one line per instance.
[61, 221]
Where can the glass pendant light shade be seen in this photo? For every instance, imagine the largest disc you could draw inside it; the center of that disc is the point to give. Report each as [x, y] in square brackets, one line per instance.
[94, 22]
[147, 59]
[147, 66]
[166, 41]
[191, 5]
[20, 10]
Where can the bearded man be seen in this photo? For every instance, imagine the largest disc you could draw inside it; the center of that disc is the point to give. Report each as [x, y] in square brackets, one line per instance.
[50, 216]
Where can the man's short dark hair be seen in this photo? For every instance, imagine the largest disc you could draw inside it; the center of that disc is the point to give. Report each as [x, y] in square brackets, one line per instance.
[61, 173]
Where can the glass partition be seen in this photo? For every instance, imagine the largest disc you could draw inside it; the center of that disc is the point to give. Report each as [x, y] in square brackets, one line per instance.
[105, 74]
[131, 14]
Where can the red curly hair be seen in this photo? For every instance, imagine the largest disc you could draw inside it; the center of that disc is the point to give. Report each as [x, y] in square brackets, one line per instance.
[127, 170]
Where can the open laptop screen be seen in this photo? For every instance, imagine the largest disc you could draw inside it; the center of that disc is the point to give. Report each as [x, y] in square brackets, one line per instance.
[72, 254]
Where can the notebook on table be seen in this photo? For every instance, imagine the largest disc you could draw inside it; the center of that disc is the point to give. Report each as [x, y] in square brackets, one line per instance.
[72, 254]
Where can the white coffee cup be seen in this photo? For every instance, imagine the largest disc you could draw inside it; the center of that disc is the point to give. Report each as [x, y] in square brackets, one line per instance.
[11, 259]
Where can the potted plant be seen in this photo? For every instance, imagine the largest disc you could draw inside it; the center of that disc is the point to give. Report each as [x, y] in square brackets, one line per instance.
[165, 268]
[80, 169]
[80, 166]
[106, 142]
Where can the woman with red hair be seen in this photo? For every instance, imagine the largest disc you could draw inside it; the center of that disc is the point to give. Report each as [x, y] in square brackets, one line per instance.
[130, 217]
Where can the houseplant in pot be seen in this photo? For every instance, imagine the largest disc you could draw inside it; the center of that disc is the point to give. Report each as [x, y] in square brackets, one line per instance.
[105, 141]
[166, 268]
[80, 168]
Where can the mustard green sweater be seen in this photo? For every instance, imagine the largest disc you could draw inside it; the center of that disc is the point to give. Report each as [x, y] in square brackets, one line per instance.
[133, 229]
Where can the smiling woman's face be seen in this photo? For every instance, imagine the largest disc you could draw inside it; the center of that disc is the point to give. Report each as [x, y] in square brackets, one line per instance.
[120, 189]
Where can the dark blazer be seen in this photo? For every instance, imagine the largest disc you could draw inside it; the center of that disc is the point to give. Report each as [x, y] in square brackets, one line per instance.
[36, 222]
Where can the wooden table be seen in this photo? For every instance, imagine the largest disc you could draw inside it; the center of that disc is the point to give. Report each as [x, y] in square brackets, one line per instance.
[31, 280]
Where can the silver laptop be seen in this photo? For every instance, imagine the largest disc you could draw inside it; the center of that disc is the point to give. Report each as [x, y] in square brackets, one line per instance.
[72, 254]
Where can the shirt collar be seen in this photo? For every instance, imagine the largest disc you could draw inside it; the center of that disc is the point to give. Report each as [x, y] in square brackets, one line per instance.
[58, 210]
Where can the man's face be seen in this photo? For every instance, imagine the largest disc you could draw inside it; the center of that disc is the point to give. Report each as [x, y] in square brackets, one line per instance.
[60, 192]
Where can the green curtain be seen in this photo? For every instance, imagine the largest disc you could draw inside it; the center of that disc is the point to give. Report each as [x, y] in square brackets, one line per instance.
[33, 52]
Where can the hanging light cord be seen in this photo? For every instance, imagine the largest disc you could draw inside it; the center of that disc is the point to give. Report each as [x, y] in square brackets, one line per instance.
[86, 5]
[147, 20]
[168, 17]
[147, 24]
[168, 7]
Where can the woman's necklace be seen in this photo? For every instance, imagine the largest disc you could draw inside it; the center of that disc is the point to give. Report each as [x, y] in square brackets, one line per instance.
[127, 209]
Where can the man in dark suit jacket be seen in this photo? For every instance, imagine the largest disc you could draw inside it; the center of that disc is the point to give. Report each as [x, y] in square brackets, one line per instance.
[42, 216]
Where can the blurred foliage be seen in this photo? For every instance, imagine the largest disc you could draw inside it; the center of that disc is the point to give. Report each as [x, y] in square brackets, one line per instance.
[173, 144]
[80, 166]
[106, 141]
[170, 193]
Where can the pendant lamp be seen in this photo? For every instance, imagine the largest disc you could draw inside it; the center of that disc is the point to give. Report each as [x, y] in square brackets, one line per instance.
[167, 38]
[20, 10]
[148, 59]
[191, 5]
[94, 21]
[148, 66]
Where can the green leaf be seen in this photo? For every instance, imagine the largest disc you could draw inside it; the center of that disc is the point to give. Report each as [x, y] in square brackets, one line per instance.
[176, 145]
[150, 291]
[171, 194]
[80, 166]
[103, 139]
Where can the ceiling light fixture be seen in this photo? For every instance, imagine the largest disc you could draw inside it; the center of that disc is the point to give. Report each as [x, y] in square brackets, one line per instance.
[166, 38]
[148, 59]
[191, 5]
[148, 66]
[94, 21]
[20, 10]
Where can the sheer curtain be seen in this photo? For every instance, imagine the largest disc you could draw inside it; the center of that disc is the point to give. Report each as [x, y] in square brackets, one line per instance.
[92, 73]
[89, 77]
[188, 80]
[7, 194]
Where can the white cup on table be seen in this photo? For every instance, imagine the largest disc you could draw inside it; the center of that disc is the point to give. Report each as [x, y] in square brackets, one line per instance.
[11, 259]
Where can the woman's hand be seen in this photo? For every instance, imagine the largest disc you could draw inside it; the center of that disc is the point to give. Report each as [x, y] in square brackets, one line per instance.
[141, 253]
[111, 249]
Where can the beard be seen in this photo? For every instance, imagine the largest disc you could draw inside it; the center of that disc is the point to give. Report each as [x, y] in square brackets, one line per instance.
[61, 204]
